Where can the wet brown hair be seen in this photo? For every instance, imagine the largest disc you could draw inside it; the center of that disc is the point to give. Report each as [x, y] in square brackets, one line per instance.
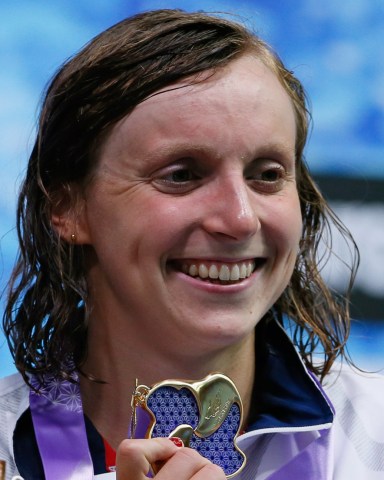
[44, 319]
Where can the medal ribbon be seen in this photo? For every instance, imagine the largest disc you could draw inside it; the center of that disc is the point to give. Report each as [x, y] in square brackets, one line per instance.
[58, 420]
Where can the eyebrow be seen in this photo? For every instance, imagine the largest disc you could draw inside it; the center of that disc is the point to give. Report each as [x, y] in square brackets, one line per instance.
[280, 148]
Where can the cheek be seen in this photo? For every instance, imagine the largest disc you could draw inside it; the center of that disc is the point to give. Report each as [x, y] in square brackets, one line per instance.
[295, 227]
[288, 224]
[154, 228]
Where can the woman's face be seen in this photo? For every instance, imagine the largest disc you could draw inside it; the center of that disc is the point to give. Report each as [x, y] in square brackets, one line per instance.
[193, 214]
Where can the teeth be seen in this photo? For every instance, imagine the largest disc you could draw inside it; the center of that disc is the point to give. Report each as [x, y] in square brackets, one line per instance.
[249, 269]
[224, 273]
[213, 272]
[227, 272]
[193, 271]
[235, 273]
[243, 271]
[203, 271]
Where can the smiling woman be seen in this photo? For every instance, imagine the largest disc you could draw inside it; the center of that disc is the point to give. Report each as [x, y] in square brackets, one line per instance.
[168, 226]
[190, 222]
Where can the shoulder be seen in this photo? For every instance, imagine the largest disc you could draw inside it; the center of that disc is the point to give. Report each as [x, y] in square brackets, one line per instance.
[364, 391]
[13, 392]
[358, 430]
[14, 399]
[10, 383]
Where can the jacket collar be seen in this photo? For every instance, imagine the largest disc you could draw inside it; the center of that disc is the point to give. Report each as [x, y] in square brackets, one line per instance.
[286, 396]
[289, 434]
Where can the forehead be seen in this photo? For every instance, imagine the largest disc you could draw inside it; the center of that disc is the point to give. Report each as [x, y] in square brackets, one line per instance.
[244, 99]
[245, 75]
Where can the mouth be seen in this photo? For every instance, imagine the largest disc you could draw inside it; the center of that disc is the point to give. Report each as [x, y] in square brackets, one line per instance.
[218, 272]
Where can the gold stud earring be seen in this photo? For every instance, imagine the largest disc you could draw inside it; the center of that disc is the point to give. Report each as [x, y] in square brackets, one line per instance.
[73, 238]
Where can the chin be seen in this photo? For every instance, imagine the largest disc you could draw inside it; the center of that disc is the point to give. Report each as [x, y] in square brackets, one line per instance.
[228, 336]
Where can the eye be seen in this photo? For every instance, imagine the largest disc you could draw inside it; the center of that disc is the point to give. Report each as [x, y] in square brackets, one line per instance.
[271, 175]
[266, 176]
[179, 176]
[176, 179]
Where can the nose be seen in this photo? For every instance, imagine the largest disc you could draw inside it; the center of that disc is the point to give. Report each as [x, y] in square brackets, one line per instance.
[230, 209]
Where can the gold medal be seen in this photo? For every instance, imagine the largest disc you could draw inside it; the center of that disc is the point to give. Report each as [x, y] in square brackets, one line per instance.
[206, 415]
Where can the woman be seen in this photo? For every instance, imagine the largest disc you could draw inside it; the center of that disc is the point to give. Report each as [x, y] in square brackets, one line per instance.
[168, 228]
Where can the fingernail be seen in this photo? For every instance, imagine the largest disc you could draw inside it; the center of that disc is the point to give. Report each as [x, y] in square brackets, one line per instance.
[177, 441]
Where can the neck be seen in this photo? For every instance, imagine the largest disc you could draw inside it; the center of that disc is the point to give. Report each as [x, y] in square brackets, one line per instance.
[112, 360]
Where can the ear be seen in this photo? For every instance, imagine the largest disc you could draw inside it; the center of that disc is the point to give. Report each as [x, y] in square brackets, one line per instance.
[68, 216]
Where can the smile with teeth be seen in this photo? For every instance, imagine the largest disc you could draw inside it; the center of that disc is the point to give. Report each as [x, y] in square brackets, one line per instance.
[223, 272]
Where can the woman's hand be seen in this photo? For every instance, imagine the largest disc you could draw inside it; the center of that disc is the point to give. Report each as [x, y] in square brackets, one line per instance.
[135, 457]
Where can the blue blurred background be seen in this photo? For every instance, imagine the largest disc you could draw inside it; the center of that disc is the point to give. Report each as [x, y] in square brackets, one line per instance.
[333, 46]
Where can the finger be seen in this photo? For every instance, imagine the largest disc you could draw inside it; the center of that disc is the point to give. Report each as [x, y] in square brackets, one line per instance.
[211, 471]
[156, 466]
[134, 457]
[187, 464]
